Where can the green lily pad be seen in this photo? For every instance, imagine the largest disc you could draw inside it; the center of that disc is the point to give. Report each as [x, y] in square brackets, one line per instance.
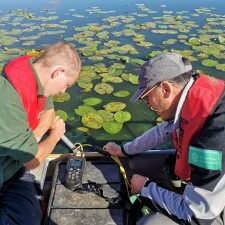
[118, 66]
[92, 120]
[62, 97]
[122, 116]
[62, 114]
[121, 94]
[96, 58]
[112, 127]
[86, 86]
[84, 109]
[106, 115]
[103, 88]
[169, 42]
[92, 101]
[221, 39]
[209, 62]
[219, 55]
[144, 44]
[114, 106]
[220, 67]
[103, 35]
[178, 18]
[152, 54]
[133, 79]
[114, 72]
[202, 56]
[194, 41]
[83, 129]
[112, 79]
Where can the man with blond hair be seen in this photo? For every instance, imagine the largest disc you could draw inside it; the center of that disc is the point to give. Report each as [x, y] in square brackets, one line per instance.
[26, 114]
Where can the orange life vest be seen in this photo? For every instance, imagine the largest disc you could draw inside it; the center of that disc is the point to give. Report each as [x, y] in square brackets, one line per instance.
[19, 73]
[200, 103]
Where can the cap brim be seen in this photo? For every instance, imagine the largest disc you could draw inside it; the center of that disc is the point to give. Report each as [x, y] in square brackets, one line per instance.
[137, 94]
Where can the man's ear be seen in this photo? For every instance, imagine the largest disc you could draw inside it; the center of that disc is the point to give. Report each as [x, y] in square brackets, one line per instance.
[57, 73]
[166, 88]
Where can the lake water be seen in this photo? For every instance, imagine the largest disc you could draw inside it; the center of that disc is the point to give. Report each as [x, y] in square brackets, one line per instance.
[114, 38]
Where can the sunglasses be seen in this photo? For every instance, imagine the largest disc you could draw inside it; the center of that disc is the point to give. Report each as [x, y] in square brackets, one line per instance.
[144, 96]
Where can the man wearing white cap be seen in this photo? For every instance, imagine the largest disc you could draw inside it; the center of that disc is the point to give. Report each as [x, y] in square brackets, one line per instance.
[192, 107]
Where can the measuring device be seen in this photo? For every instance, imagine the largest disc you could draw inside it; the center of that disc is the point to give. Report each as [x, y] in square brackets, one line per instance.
[75, 167]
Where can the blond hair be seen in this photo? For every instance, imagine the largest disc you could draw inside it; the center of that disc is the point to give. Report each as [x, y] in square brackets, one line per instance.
[60, 53]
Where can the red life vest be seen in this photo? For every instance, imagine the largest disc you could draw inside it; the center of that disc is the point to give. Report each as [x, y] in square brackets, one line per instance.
[19, 73]
[200, 102]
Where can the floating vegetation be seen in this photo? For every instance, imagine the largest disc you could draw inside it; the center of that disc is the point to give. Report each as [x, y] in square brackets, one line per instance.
[84, 109]
[112, 48]
[92, 120]
[92, 101]
[169, 42]
[194, 41]
[121, 94]
[114, 106]
[112, 79]
[122, 116]
[220, 67]
[112, 127]
[103, 88]
[106, 115]
[83, 129]
[62, 114]
[62, 97]
[209, 62]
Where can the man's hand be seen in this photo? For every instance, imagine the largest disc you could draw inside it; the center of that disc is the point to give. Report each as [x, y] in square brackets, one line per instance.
[113, 149]
[137, 183]
[46, 146]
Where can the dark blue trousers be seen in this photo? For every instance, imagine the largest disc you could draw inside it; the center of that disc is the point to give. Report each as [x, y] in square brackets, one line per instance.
[19, 201]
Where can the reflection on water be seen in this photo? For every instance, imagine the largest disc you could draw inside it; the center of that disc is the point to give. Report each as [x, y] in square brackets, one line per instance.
[114, 38]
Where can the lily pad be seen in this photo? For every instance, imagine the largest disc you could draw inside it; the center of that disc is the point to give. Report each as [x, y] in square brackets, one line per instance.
[152, 54]
[122, 116]
[169, 41]
[92, 101]
[209, 62]
[62, 97]
[220, 67]
[112, 79]
[194, 41]
[96, 58]
[133, 79]
[112, 127]
[221, 39]
[106, 115]
[114, 106]
[121, 94]
[92, 120]
[62, 114]
[86, 86]
[83, 129]
[103, 88]
[84, 109]
[118, 66]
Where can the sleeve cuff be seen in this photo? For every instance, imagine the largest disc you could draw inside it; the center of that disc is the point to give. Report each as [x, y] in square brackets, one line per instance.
[145, 191]
[123, 151]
